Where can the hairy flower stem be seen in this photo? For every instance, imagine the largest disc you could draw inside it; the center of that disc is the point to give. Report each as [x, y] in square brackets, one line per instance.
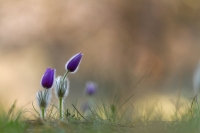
[61, 107]
[43, 113]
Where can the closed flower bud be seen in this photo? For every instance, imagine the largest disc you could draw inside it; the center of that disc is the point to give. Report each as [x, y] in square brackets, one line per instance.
[43, 98]
[62, 87]
[48, 78]
[91, 88]
[73, 63]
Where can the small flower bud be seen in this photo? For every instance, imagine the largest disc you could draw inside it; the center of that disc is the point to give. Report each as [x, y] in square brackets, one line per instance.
[73, 63]
[48, 78]
[62, 87]
[43, 98]
[91, 88]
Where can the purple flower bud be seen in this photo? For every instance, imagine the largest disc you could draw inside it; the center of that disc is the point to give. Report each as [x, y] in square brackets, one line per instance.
[48, 78]
[91, 88]
[73, 63]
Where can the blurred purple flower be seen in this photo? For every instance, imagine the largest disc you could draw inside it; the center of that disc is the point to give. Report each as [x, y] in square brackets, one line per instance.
[73, 63]
[91, 88]
[48, 78]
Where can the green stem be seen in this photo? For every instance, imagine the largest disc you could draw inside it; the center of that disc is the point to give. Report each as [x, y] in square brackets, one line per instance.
[65, 75]
[43, 113]
[90, 101]
[61, 107]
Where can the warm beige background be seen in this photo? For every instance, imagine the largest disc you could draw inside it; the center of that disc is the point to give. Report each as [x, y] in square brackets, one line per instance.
[138, 47]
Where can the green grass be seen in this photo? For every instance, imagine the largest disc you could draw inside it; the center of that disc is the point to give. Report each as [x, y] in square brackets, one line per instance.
[103, 117]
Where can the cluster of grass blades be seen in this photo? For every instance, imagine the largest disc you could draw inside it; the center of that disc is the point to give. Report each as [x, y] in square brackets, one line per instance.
[10, 121]
[103, 117]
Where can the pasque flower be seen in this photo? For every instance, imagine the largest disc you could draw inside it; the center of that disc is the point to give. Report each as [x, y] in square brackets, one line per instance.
[61, 91]
[61, 87]
[73, 63]
[43, 97]
[48, 78]
[43, 100]
[91, 88]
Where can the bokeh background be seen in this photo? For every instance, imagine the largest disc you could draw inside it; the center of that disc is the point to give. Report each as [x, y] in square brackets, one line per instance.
[141, 47]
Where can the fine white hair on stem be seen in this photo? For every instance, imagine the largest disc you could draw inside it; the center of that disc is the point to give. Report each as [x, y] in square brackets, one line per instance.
[43, 98]
[196, 79]
[61, 87]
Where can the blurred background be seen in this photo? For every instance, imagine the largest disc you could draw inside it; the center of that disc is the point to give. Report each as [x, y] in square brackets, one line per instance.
[146, 48]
